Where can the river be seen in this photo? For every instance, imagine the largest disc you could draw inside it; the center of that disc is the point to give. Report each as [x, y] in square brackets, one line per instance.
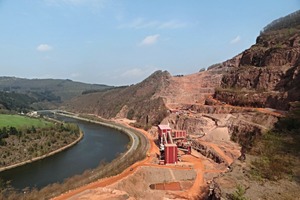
[98, 144]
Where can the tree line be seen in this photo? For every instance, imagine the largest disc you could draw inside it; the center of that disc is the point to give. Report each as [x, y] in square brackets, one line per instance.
[290, 21]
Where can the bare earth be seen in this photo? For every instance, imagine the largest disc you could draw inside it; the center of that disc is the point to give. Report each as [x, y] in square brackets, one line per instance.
[191, 174]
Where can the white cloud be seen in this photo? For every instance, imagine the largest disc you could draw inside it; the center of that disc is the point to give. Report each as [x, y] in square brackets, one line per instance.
[149, 40]
[140, 23]
[44, 47]
[235, 40]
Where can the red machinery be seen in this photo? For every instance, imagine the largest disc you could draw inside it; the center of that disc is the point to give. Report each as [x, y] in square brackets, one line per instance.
[170, 141]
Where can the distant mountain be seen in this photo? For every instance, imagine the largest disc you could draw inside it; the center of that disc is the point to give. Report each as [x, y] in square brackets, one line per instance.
[44, 92]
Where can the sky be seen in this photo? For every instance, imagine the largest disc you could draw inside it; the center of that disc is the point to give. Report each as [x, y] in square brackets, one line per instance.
[121, 42]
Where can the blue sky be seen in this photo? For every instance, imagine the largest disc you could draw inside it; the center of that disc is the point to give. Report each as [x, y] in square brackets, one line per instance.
[120, 42]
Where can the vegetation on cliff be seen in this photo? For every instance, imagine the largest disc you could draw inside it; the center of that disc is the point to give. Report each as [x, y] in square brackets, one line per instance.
[267, 74]
[278, 150]
[289, 21]
[136, 102]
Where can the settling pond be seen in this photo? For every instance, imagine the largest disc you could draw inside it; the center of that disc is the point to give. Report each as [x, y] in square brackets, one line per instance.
[99, 143]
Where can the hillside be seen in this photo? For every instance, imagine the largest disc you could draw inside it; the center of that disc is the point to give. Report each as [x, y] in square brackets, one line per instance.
[133, 102]
[42, 92]
[266, 74]
[149, 101]
[15, 101]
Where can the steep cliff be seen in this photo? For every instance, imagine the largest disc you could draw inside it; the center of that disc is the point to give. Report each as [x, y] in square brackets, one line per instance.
[267, 74]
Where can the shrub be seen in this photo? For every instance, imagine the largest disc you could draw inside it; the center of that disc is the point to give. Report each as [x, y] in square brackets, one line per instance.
[278, 150]
[238, 194]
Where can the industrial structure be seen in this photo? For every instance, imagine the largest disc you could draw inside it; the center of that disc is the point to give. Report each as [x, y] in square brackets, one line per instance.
[170, 141]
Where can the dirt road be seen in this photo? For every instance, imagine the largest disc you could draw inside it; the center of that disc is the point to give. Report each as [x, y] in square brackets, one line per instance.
[110, 180]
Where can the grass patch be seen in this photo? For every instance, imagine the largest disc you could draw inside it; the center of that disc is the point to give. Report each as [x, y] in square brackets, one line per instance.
[238, 194]
[275, 160]
[19, 121]
[278, 150]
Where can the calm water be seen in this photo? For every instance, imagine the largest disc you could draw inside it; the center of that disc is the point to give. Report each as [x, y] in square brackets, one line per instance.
[99, 143]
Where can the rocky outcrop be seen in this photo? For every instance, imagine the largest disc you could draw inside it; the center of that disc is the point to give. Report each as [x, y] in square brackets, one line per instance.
[233, 62]
[193, 125]
[267, 74]
[244, 134]
[207, 151]
[254, 99]
[244, 128]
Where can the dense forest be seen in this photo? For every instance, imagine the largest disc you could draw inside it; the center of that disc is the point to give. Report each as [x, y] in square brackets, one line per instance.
[22, 95]
[15, 102]
[24, 143]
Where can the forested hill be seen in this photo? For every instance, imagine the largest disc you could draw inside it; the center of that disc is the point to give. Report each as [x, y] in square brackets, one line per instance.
[63, 89]
[20, 93]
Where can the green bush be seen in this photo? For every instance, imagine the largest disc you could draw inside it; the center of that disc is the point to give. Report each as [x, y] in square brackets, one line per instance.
[238, 194]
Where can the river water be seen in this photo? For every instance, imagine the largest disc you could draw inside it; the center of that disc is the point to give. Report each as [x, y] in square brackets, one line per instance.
[98, 144]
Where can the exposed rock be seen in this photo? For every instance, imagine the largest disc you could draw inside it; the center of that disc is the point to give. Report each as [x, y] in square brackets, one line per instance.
[268, 73]
[233, 62]
[245, 128]
[207, 152]
[123, 112]
[193, 125]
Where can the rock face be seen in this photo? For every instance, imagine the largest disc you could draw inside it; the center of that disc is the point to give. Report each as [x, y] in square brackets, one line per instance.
[267, 74]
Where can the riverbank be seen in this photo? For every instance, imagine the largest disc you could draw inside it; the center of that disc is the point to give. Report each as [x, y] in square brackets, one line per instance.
[45, 155]
[134, 138]
[128, 170]
[136, 152]
[120, 167]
